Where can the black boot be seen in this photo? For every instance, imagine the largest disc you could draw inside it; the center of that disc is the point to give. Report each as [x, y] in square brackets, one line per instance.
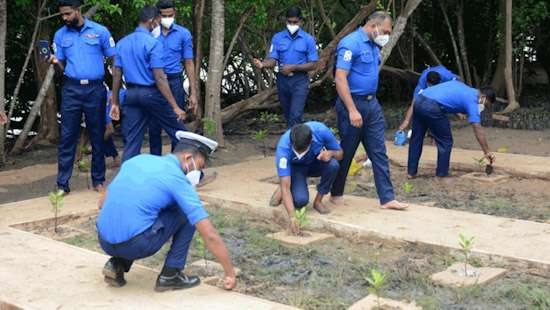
[177, 281]
[113, 272]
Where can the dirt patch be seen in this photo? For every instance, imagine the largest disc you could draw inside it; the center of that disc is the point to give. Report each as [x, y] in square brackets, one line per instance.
[332, 274]
[527, 199]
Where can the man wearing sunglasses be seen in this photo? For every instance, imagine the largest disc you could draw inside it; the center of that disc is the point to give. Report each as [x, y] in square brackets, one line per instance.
[295, 52]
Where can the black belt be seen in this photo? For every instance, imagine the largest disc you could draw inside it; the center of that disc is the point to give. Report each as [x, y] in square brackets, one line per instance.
[132, 85]
[172, 76]
[71, 81]
[364, 97]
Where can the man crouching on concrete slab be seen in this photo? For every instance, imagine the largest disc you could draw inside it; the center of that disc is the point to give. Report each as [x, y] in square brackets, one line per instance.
[151, 200]
[305, 150]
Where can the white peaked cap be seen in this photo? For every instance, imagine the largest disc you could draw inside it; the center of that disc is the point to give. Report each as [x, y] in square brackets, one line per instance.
[204, 144]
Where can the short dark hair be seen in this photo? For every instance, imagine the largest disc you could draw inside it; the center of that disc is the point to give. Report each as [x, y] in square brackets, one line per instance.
[294, 11]
[75, 4]
[148, 12]
[489, 92]
[433, 78]
[183, 147]
[300, 136]
[165, 4]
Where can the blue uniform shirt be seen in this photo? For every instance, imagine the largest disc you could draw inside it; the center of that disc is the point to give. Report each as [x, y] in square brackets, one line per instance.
[293, 51]
[455, 97]
[84, 50]
[444, 73]
[322, 136]
[138, 54]
[358, 55]
[121, 97]
[146, 185]
[177, 45]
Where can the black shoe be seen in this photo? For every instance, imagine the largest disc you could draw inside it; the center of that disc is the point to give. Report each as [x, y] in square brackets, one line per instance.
[113, 273]
[176, 282]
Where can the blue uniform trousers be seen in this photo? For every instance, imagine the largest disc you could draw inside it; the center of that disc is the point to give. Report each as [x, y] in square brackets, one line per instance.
[372, 137]
[109, 148]
[75, 100]
[171, 223]
[142, 104]
[155, 139]
[428, 114]
[292, 92]
[298, 179]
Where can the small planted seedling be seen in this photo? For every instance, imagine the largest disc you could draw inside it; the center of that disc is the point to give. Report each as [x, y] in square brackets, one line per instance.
[377, 282]
[83, 165]
[202, 248]
[466, 245]
[261, 135]
[56, 200]
[335, 131]
[301, 218]
[480, 162]
[408, 187]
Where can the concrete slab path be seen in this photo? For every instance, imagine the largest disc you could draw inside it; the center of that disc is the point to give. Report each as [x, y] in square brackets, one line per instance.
[40, 273]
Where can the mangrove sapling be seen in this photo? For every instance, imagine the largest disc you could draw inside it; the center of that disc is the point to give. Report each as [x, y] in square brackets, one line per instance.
[266, 118]
[301, 219]
[377, 281]
[466, 245]
[480, 162]
[202, 249]
[408, 187]
[261, 135]
[56, 200]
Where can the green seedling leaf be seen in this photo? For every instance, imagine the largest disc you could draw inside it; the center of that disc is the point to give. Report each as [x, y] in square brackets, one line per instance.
[83, 166]
[260, 135]
[266, 118]
[377, 281]
[301, 218]
[407, 187]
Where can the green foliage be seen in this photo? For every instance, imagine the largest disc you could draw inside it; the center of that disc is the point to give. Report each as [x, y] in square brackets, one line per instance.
[466, 245]
[301, 218]
[260, 135]
[480, 162]
[209, 126]
[267, 118]
[534, 298]
[83, 165]
[407, 187]
[377, 281]
[335, 131]
[56, 200]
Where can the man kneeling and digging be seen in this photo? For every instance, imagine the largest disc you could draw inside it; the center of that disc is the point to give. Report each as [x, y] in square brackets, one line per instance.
[305, 150]
[152, 200]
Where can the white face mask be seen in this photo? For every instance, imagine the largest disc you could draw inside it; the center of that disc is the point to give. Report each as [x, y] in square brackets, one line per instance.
[156, 31]
[381, 40]
[194, 176]
[301, 155]
[292, 28]
[481, 107]
[166, 22]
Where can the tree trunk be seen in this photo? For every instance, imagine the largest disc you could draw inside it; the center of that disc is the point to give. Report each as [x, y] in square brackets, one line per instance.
[215, 70]
[398, 29]
[462, 42]
[19, 144]
[512, 102]
[243, 19]
[198, 16]
[3, 29]
[453, 41]
[325, 18]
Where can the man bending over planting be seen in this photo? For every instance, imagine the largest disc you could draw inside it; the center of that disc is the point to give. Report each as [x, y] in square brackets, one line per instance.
[305, 150]
[153, 200]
